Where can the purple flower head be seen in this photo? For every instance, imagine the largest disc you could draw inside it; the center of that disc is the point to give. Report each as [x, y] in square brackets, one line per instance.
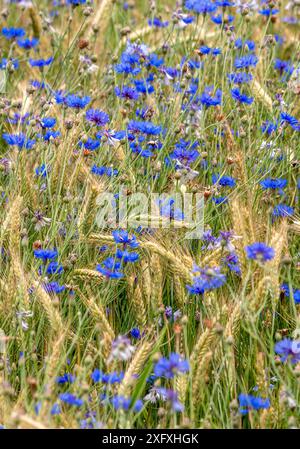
[97, 117]
[171, 367]
[288, 350]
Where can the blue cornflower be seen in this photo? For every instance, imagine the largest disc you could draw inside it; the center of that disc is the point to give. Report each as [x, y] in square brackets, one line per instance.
[48, 122]
[269, 127]
[12, 33]
[111, 378]
[121, 402]
[156, 22]
[167, 208]
[201, 6]
[220, 199]
[208, 98]
[292, 121]
[135, 333]
[283, 66]
[54, 268]
[185, 152]
[40, 62]
[144, 127]
[42, 171]
[268, 12]
[259, 251]
[239, 77]
[282, 210]
[55, 410]
[18, 140]
[99, 118]
[127, 92]
[171, 396]
[219, 19]
[288, 349]
[127, 256]
[231, 260]
[71, 399]
[51, 134]
[171, 367]
[273, 183]
[246, 61]
[100, 171]
[90, 144]
[27, 43]
[143, 87]
[122, 236]
[296, 292]
[74, 101]
[110, 268]
[53, 287]
[241, 98]
[206, 279]
[76, 2]
[239, 43]
[224, 181]
[66, 378]
[248, 402]
[12, 62]
[45, 254]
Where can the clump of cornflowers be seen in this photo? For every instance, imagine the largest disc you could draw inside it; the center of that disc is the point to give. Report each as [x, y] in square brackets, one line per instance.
[45, 254]
[41, 62]
[13, 33]
[273, 183]
[282, 210]
[260, 252]
[170, 367]
[247, 403]
[18, 140]
[76, 102]
[123, 403]
[289, 350]
[110, 268]
[71, 399]
[206, 279]
[99, 376]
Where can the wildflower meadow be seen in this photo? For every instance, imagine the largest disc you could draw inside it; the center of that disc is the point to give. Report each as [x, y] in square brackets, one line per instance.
[149, 217]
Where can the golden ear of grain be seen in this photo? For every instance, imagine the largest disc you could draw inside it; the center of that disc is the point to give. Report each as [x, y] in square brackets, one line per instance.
[241, 229]
[262, 95]
[98, 314]
[36, 21]
[136, 299]
[278, 243]
[16, 276]
[156, 282]
[52, 314]
[135, 367]
[88, 275]
[146, 282]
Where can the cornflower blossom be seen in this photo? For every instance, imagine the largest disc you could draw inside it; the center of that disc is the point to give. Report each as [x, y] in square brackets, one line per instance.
[170, 367]
[260, 252]
[289, 350]
[248, 402]
[122, 349]
[205, 279]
